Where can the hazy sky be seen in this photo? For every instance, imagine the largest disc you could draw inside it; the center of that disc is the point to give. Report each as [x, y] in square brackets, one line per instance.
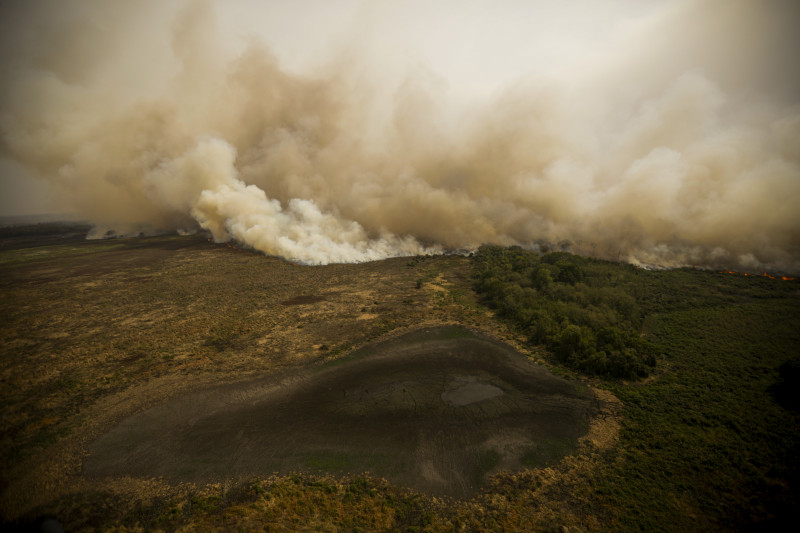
[656, 131]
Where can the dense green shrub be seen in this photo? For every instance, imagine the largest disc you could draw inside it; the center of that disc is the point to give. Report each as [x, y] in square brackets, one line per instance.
[584, 311]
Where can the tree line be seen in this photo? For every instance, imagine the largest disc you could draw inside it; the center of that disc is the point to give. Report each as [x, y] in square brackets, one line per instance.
[583, 310]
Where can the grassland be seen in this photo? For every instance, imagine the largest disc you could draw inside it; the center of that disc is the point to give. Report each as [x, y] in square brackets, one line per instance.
[96, 331]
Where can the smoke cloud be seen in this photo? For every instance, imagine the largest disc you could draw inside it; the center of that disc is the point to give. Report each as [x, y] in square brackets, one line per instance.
[668, 136]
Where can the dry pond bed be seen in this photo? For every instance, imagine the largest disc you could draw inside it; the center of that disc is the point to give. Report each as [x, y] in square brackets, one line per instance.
[436, 410]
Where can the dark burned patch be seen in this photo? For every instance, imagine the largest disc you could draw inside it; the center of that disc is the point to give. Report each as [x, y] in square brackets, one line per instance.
[133, 357]
[169, 244]
[787, 391]
[42, 234]
[438, 410]
[44, 261]
[303, 300]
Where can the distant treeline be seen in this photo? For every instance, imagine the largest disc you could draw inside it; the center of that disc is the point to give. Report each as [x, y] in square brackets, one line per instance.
[584, 311]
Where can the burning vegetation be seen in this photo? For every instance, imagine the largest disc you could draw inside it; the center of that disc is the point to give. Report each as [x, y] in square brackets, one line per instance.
[638, 149]
[763, 274]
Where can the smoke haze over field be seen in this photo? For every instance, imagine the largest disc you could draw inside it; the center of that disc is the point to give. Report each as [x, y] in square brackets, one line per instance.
[655, 132]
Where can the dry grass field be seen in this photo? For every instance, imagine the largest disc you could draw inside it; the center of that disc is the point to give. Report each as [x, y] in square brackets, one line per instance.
[96, 331]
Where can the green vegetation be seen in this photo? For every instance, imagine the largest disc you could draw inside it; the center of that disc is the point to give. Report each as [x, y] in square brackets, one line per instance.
[584, 311]
[706, 446]
[711, 442]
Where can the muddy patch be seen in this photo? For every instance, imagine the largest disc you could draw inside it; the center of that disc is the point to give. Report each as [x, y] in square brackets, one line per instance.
[437, 410]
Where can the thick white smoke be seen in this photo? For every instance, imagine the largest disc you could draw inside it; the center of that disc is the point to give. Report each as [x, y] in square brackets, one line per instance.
[204, 181]
[677, 145]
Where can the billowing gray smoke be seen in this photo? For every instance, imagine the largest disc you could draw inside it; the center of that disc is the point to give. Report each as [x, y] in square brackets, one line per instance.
[679, 144]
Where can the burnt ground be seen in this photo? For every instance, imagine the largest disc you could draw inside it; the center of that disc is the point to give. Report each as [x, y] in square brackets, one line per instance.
[97, 334]
[435, 410]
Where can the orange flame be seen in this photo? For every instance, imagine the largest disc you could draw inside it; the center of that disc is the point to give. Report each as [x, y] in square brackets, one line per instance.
[763, 274]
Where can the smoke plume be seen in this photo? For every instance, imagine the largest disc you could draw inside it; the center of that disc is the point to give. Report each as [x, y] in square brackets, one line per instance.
[676, 142]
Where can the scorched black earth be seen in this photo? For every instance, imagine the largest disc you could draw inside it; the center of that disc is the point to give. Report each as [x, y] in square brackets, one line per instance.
[436, 409]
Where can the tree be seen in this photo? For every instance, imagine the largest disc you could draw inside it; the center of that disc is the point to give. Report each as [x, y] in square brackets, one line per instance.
[575, 343]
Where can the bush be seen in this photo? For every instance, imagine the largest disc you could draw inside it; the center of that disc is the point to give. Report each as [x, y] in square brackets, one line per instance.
[575, 344]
